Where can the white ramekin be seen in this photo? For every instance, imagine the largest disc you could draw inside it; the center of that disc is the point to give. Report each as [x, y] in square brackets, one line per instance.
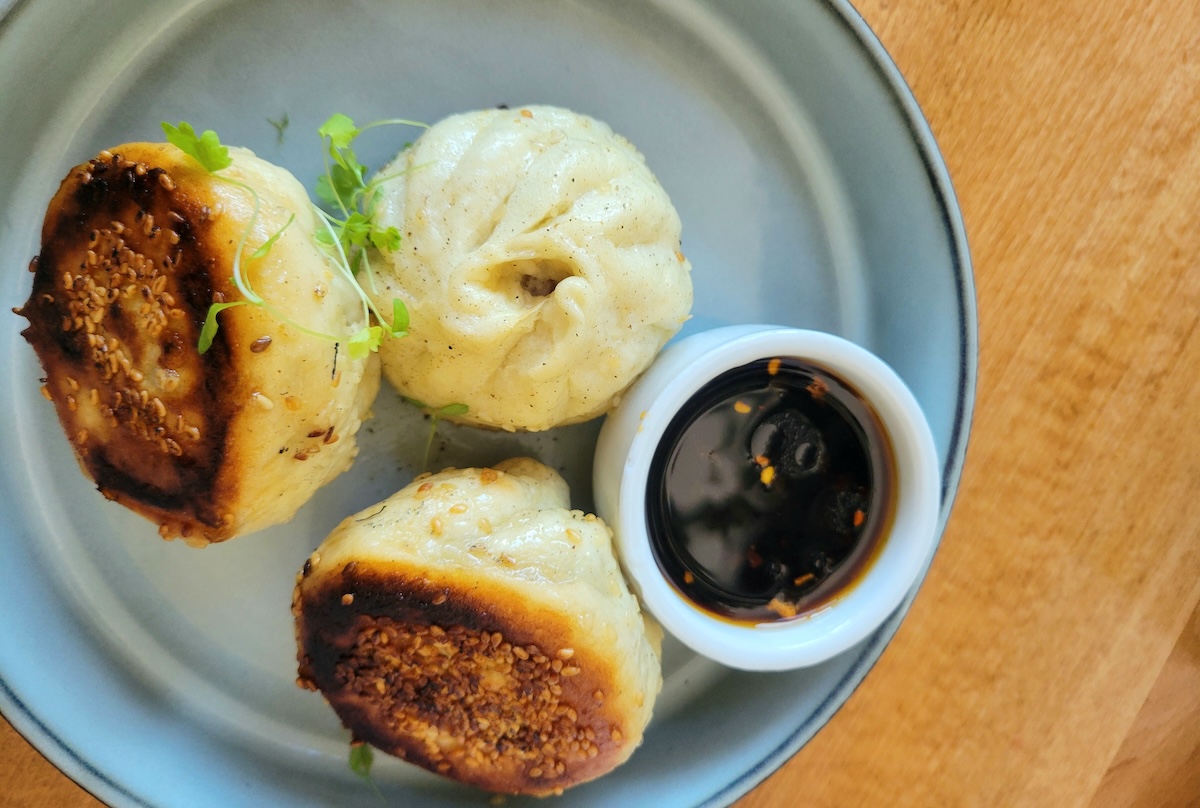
[626, 447]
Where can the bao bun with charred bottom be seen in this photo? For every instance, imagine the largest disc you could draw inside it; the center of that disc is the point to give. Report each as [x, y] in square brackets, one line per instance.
[474, 625]
[137, 244]
[540, 260]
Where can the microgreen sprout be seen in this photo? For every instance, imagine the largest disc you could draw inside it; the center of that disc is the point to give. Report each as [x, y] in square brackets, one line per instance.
[361, 758]
[280, 125]
[436, 414]
[348, 245]
[350, 198]
[206, 147]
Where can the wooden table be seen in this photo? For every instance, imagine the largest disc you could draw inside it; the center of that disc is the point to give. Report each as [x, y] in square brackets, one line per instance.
[1053, 656]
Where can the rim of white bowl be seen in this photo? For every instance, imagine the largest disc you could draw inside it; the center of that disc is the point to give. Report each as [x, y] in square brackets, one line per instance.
[863, 606]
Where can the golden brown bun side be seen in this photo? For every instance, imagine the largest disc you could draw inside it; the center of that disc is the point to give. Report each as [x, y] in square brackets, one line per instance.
[473, 624]
[432, 672]
[136, 245]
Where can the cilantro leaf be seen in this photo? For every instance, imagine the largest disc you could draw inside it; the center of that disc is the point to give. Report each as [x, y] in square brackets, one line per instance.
[385, 240]
[399, 318]
[356, 230]
[368, 339]
[209, 330]
[206, 148]
[361, 758]
[454, 409]
[340, 130]
[343, 184]
[280, 125]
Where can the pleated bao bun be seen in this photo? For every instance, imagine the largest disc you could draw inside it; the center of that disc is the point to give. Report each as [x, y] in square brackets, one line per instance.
[540, 261]
[474, 625]
[137, 244]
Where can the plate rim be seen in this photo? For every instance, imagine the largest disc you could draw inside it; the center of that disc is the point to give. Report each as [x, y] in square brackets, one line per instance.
[75, 766]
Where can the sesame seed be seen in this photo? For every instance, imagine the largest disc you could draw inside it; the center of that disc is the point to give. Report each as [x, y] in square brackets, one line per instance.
[435, 526]
[261, 344]
[460, 507]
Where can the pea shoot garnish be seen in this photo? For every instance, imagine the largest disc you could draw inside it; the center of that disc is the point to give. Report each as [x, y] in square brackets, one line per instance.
[361, 758]
[436, 414]
[280, 125]
[344, 239]
[351, 225]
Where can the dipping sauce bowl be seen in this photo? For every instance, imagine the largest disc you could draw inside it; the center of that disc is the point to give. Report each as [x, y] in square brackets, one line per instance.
[773, 493]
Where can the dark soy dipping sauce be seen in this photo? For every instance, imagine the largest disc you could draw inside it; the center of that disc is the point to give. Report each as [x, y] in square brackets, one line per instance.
[769, 491]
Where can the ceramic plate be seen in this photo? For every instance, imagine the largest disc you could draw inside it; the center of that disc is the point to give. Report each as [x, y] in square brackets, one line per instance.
[811, 192]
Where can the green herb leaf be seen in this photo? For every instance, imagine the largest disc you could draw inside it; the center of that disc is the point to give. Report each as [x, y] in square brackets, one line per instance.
[280, 125]
[266, 246]
[342, 185]
[385, 240]
[206, 148]
[368, 339]
[361, 758]
[454, 409]
[340, 130]
[356, 230]
[399, 317]
[208, 331]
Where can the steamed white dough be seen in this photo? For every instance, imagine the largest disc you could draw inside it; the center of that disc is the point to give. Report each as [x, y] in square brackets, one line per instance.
[540, 261]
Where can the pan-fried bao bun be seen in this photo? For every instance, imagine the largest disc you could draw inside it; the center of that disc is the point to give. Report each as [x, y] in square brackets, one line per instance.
[136, 245]
[474, 625]
[540, 262]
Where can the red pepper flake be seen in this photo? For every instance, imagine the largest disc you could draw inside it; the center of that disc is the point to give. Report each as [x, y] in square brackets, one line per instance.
[741, 407]
[803, 579]
[773, 366]
[688, 578]
[782, 608]
[817, 388]
[859, 518]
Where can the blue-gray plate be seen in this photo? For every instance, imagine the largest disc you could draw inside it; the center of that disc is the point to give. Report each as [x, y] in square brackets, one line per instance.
[812, 194]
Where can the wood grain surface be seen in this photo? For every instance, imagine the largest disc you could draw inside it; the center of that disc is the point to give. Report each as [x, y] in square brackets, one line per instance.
[1053, 656]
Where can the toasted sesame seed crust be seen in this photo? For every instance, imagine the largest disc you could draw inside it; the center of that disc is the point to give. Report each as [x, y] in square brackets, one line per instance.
[120, 290]
[471, 686]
